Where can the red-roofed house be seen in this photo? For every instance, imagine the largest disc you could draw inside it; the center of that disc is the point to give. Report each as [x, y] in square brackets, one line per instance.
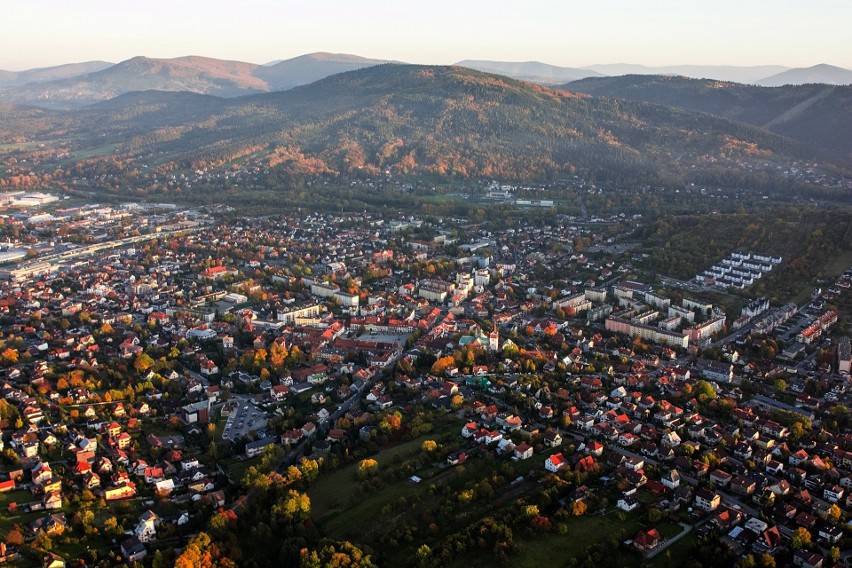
[647, 540]
[556, 462]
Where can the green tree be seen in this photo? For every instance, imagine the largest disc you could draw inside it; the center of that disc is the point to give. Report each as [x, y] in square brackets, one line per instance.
[703, 390]
[7, 410]
[112, 527]
[801, 538]
[424, 557]
[796, 431]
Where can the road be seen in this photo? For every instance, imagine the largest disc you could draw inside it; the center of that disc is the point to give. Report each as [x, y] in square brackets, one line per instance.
[299, 450]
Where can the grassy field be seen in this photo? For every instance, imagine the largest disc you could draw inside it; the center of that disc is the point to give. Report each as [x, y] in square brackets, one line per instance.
[236, 468]
[674, 555]
[582, 533]
[328, 498]
[587, 531]
[343, 507]
[104, 150]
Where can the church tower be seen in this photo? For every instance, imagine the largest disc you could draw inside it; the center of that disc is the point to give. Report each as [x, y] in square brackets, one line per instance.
[494, 339]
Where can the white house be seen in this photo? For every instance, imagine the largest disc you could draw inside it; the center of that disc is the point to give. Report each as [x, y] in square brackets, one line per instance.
[556, 462]
[671, 479]
[627, 503]
[146, 528]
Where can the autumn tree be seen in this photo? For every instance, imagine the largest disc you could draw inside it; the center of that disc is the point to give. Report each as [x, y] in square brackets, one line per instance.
[293, 508]
[834, 513]
[143, 362]
[391, 422]
[442, 365]
[15, 537]
[801, 538]
[277, 356]
[367, 468]
[833, 556]
[334, 555]
[197, 553]
[309, 469]
[9, 357]
[541, 524]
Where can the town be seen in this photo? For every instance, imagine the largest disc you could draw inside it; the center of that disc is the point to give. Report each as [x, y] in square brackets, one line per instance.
[160, 362]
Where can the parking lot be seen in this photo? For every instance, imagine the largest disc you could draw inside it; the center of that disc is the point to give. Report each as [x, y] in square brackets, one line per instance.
[244, 419]
[398, 338]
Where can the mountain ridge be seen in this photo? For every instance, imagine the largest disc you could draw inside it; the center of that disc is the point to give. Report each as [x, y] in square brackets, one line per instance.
[815, 115]
[747, 74]
[44, 74]
[821, 74]
[404, 119]
[226, 78]
[534, 71]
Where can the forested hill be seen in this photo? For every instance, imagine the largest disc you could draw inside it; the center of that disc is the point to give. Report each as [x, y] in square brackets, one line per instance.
[816, 115]
[62, 88]
[405, 119]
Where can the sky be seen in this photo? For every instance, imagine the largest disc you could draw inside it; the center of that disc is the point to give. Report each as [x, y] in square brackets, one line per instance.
[572, 33]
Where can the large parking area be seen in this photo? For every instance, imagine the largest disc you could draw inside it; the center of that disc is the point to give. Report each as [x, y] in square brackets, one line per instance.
[246, 418]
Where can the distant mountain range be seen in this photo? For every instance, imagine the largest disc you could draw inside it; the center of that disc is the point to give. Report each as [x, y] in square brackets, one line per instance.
[402, 119]
[751, 74]
[192, 74]
[825, 74]
[764, 75]
[818, 116]
[533, 71]
[80, 84]
[44, 74]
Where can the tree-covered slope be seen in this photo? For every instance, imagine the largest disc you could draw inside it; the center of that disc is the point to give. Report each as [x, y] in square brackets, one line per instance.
[816, 115]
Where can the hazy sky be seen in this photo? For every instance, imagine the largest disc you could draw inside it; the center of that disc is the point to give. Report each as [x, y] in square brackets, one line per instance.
[38, 33]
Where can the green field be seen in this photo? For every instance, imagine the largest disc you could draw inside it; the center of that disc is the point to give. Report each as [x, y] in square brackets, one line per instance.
[104, 150]
[236, 468]
[329, 501]
[584, 532]
[674, 555]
